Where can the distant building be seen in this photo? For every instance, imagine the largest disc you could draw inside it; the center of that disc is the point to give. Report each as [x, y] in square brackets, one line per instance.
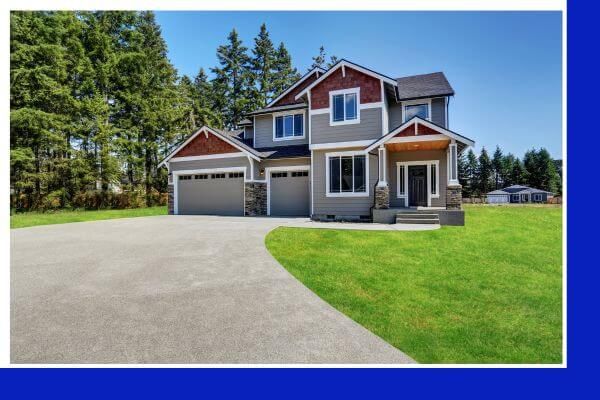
[518, 194]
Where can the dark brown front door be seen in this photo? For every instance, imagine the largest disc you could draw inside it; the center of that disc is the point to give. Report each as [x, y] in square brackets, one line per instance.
[417, 185]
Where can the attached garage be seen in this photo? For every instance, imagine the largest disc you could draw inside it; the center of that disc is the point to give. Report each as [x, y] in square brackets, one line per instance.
[210, 193]
[497, 198]
[288, 192]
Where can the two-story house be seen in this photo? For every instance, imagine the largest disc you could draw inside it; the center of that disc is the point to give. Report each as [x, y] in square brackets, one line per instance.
[348, 143]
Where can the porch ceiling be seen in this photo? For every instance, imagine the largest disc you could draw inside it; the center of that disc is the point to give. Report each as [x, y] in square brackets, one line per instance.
[418, 145]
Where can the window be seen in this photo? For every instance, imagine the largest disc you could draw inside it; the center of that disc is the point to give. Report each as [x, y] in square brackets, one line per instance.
[433, 176]
[416, 110]
[537, 197]
[185, 177]
[452, 164]
[289, 126]
[296, 174]
[347, 174]
[279, 175]
[204, 176]
[401, 184]
[218, 176]
[515, 197]
[344, 106]
[236, 174]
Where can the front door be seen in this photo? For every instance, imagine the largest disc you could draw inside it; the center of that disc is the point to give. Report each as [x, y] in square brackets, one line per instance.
[417, 185]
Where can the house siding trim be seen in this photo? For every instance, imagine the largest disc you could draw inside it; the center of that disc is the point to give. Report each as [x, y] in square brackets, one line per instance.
[328, 193]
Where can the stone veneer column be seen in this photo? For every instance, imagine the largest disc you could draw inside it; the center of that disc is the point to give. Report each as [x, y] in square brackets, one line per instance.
[382, 197]
[170, 201]
[453, 197]
[255, 195]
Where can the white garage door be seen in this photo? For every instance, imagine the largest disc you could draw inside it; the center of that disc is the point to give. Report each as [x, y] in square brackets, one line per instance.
[211, 193]
[496, 199]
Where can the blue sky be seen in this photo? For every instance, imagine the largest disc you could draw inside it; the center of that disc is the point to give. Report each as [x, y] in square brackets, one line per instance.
[505, 67]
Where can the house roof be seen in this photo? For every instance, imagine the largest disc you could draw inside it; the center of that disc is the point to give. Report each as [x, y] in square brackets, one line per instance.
[278, 108]
[415, 119]
[345, 63]
[245, 121]
[317, 70]
[293, 151]
[517, 189]
[425, 85]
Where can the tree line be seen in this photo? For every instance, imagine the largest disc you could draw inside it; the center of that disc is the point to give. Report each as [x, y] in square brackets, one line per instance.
[481, 174]
[95, 103]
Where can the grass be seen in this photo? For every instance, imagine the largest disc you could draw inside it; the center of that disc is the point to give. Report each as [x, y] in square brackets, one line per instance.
[489, 292]
[23, 220]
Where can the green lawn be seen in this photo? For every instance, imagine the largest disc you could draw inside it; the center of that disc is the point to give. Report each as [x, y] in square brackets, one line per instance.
[489, 292]
[23, 220]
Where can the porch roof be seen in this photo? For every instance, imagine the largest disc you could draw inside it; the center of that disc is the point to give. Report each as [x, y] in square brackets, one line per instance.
[443, 134]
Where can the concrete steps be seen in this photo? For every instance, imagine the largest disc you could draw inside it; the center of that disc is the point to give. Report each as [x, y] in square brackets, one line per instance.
[418, 217]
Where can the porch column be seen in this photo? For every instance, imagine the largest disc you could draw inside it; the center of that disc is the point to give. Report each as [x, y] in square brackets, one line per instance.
[454, 189]
[382, 190]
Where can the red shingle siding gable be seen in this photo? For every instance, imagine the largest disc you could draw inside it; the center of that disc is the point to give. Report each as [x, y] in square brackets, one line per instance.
[423, 130]
[370, 87]
[202, 145]
[289, 98]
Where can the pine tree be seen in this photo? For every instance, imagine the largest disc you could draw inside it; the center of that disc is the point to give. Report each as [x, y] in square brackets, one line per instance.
[508, 162]
[205, 100]
[540, 170]
[485, 172]
[263, 64]
[497, 165]
[233, 79]
[517, 174]
[320, 60]
[471, 171]
[284, 73]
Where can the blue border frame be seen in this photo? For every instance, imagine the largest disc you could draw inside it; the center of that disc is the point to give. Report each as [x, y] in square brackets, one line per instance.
[583, 288]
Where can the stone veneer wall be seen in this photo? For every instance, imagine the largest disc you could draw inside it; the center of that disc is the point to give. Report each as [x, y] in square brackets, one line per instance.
[382, 197]
[453, 197]
[170, 201]
[255, 195]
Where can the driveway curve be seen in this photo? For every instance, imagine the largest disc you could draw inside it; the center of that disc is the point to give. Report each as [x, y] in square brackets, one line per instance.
[171, 289]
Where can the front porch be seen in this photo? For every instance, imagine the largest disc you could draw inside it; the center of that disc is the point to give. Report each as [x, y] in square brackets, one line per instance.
[418, 173]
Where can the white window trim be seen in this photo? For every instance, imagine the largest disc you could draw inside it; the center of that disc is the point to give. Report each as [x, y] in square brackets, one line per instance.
[427, 165]
[268, 172]
[356, 91]
[449, 161]
[340, 145]
[413, 103]
[284, 113]
[198, 172]
[328, 193]
[537, 197]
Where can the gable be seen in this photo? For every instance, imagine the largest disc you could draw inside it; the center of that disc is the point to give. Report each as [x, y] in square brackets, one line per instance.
[421, 130]
[205, 143]
[289, 98]
[370, 87]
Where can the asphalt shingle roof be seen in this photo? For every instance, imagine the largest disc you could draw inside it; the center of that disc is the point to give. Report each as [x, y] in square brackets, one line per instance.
[426, 85]
[278, 108]
[293, 151]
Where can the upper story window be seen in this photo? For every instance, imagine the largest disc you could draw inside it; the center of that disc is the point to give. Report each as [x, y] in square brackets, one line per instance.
[418, 108]
[344, 106]
[289, 126]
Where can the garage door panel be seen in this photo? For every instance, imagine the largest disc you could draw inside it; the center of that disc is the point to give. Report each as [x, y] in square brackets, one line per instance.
[211, 194]
[289, 193]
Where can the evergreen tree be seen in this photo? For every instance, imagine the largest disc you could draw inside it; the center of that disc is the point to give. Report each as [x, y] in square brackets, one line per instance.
[471, 171]
[233, 79]
[540, 170]
[517, 173]
[284, 74]
[263, 66]
[498, 166]
[205, 101]
[320, 60]
[507, 167]
[485, 172]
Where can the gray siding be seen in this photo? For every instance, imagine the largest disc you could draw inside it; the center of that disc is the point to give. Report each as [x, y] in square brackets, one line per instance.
[394, 157]
[438, 111]
[263, 130]
[341, 206]
[394, 115]
[209, 164]
[284, 162]
[368, 128]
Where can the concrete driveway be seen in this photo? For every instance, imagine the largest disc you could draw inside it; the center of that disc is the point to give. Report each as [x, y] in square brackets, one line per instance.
[172, 289]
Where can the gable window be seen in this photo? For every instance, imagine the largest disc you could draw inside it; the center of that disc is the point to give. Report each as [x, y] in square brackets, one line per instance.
[417, 108]
[347, 174]
[344, 106]
[289, 126]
